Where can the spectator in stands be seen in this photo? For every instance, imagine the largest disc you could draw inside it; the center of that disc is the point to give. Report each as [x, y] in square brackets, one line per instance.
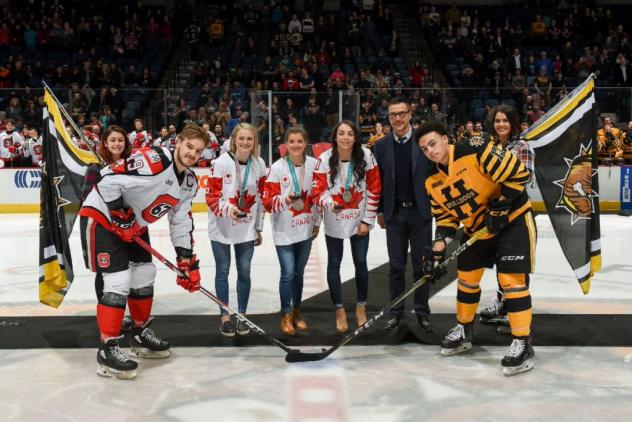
[543, 87]
[626, 144]
[437, 115]
[314, 122]
[376, 135]
[367, 119]
[538, 30]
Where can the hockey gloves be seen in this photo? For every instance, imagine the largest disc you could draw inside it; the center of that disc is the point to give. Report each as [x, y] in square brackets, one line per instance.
[124, 224]
[497, 216]
[191, 267]
[431, 264]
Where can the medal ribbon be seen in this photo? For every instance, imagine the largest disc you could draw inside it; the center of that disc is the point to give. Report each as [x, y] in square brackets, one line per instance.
[349, 176]
[297, 186]
[243, 183]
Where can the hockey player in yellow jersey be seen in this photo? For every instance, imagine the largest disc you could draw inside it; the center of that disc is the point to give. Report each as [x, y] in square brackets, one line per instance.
[479, 184]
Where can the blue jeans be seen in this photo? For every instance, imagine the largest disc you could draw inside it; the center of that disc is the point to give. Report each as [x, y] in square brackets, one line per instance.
[359, 249]
[243, 256]
[293, 259]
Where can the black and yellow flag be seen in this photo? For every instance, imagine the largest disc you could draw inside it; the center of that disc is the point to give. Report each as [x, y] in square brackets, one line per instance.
[566, 170]
[63, 170]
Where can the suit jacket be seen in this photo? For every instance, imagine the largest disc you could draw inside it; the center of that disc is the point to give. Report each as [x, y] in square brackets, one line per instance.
[385, 157]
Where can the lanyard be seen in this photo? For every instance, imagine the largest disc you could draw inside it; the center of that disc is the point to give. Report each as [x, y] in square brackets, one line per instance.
[349, 175]
[297, 186]
[243, 184]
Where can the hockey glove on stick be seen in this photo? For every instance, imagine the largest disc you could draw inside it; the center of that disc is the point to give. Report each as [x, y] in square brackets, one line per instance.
[124, 224]
[497, 215]
[431, 260]
[191, 267]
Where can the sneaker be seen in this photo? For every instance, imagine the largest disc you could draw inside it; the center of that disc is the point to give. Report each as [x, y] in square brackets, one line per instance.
[520, 356]
[495, 313]
[226, 328]
[242, 328]
[145, 344]
[458, 340]
[113, 362]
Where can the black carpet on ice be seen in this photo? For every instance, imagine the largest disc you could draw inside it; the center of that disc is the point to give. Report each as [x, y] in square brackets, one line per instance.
[198, 330]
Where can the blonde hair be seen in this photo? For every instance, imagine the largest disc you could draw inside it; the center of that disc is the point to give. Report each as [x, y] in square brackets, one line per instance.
[193, 131]
[299, 129]
[255, 133]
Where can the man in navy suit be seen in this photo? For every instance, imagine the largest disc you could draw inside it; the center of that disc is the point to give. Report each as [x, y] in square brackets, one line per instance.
[404, 209]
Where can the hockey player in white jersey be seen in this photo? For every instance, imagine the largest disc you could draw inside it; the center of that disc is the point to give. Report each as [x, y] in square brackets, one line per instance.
[295, 222]
[347, 186]
[33, 148]
[132, 194]
[11, 145]
[236, 217]
[139, 137]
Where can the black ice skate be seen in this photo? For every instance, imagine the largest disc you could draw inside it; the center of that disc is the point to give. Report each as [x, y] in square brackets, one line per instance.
[113, 362]
[145, 344]
[520, 356]
[458, 340]
[495, 314]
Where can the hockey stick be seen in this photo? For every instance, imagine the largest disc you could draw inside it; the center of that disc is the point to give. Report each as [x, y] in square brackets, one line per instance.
[214, 298]
[315, 356]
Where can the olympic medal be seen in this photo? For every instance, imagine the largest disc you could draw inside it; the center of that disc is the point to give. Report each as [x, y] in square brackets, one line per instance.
[241, 203]
[346, 196]
[298, 204]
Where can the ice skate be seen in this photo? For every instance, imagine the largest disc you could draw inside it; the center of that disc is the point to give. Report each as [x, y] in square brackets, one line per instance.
[113, 362]
[458, 340]
[145, 344]
[520, 356]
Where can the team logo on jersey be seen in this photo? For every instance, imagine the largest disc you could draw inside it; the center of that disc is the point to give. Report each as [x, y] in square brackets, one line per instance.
[228, 178]
[103, 260]
[153, 156]
[477, 141]
[159, 207]
[285, 181]
[577, 195]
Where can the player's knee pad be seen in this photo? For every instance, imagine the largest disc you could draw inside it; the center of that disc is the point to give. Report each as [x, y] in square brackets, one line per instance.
[114, 300]
[117, 282]
[143, 274]
[143, 292]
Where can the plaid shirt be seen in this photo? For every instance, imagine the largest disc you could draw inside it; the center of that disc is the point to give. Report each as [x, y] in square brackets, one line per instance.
[524, 152]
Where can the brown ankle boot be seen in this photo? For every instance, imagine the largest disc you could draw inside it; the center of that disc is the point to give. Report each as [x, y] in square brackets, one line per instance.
[298, 320]
[341, 320]
[287, 327]
[360, 315]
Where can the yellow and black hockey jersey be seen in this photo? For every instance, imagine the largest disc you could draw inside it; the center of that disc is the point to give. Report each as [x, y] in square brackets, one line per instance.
[476, 173]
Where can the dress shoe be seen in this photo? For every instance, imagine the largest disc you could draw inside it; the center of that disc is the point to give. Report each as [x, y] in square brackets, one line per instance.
[425, 324]
[298, 320]
[392, 322]
[287, 327]
[360, 315]
[341, 320]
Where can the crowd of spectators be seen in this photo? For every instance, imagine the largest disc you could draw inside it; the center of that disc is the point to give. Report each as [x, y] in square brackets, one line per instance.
[530, 54]
[99, 57]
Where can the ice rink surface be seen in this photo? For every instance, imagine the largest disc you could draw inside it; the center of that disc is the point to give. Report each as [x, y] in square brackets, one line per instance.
[410, 382]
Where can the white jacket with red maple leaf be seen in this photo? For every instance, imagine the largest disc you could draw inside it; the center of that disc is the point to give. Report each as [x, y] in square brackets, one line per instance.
[288, 224]
[364, 200]
[223, 193]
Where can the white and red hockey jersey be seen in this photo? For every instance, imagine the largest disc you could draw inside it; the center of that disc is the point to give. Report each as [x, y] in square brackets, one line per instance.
[365, 196]
[168, 141]
[11, 146]
[290, 225]
[223, 193]
[140, 139]
[149, 183]
[34, 149]
[210, 152]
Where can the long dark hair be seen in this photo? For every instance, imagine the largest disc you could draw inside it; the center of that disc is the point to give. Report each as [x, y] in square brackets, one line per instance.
[512, 116]
[357, 155]
[103, 151]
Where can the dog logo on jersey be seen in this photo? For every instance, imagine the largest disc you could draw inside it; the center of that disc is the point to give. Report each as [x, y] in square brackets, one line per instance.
[228, 178]
[103, 260]
[577, 195]
[285, 181]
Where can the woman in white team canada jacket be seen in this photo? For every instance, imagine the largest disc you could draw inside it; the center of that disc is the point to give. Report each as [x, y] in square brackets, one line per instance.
[347, 186]
[236, 217]
[295, 222]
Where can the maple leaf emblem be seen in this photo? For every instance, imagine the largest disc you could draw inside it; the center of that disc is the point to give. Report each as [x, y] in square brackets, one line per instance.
[307, 205]
[250, 201]
[356, 197]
